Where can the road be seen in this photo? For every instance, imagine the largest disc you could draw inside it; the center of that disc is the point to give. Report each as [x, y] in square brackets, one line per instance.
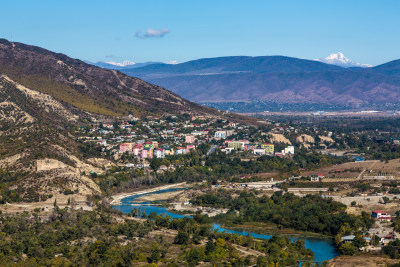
[369, 168]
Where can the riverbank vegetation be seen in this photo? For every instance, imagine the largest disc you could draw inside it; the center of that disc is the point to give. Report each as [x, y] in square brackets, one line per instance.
[196, 167]
[311, 213]
[105, 238]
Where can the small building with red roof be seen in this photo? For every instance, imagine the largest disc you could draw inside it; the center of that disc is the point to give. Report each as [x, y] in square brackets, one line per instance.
[381, 215]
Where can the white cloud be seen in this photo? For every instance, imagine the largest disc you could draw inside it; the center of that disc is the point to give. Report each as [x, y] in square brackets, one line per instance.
[152, 33]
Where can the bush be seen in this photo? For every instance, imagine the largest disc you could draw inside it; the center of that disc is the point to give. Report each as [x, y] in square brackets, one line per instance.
[68, 192]
[347, 249]
[182, 238]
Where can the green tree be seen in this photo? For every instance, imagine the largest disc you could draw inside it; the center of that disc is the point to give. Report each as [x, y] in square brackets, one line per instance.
[182, 238]
[347, 249]
[155, 163]
[155, 254]
[359, 241]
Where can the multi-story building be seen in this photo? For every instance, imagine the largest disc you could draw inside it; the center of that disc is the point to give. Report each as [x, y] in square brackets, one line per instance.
[220, 134]
[269, 148]
[189, 139]
[147, 153]
[236, 145]
[159, 153]
[250, 146]
[125, 147]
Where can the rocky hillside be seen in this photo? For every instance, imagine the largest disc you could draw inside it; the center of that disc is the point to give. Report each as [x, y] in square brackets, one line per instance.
[275, 78]
[39, 158]
[87, 87]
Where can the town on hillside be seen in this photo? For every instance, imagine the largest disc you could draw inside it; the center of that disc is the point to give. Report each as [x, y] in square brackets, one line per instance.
[153, 137]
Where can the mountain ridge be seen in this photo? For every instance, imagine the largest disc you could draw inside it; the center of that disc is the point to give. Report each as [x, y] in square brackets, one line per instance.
[276, 78]
[119, 65]
[87, 87]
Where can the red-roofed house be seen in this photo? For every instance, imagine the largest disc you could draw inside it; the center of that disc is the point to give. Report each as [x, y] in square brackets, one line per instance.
[190, 147]
[381, 215]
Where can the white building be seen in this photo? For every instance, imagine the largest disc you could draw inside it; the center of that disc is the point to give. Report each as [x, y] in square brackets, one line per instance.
[259, 151]
[159, 153]
[220, 134]
[180, 151]
[289, 150]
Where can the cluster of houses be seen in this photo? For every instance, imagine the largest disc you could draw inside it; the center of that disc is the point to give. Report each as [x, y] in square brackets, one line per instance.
[384, 239]
[256, 148]
[156, 137]
[148, 150]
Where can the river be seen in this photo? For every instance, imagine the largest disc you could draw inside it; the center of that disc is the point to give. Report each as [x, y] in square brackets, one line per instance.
[323, 248]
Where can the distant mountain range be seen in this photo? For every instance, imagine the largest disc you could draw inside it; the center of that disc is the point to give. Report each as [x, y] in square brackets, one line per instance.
[276, 78]
[126, 64]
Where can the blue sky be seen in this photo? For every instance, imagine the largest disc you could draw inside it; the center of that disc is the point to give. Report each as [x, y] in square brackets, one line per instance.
[365, 31]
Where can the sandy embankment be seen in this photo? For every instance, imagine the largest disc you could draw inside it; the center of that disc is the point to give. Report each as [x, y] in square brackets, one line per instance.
[159, 197]
[116, 199]
[211, 212]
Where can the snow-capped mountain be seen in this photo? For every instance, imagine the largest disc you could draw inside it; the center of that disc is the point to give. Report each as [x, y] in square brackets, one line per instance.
[339, 59]
[126, 64]
[121, 64]
[172, 62]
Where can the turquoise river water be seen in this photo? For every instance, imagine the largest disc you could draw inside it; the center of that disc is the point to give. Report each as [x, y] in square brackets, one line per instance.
[323, 248]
